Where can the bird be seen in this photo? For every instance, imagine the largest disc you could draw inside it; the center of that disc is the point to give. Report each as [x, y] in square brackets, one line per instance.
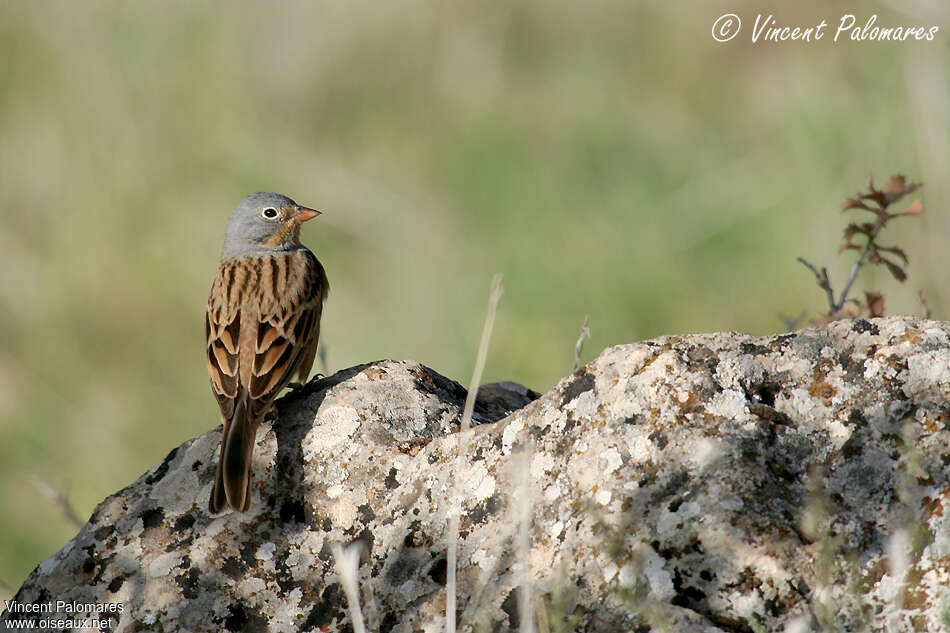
[261, 327]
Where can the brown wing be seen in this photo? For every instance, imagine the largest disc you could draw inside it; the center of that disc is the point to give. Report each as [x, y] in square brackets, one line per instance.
[222, 333]
[262, 326]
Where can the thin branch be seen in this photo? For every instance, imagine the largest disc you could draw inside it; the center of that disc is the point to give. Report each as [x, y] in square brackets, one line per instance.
[854, 270]
[579, 346]
[791, 323]
[451, 556]
[823, 282]
[58, 499]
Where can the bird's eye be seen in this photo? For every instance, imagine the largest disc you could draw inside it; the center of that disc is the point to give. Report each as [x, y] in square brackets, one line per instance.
[269, 213]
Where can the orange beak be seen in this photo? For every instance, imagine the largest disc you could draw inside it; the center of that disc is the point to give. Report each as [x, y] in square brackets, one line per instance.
[303, 214]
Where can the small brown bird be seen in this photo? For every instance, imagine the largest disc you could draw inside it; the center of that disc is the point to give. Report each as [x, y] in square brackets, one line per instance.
[262, 327]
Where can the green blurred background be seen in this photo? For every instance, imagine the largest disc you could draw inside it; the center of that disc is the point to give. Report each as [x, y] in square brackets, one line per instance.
[609, 158]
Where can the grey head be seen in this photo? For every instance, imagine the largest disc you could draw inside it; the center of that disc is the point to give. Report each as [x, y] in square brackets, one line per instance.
[264, 223]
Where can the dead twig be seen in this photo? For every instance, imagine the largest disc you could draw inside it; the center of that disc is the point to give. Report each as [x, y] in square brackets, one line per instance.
[58, 499]
[922, 295]
[579, 346]
[823, 281]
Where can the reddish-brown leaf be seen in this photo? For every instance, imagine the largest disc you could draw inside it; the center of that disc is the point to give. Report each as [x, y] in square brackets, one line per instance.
[894, 269]
[916, 208]
[897, 250]
[875, 303]
[854, 203]
[898, 187]
[895, 185]
[853, 229]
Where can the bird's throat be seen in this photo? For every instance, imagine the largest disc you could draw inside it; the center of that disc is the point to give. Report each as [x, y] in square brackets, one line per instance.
[287, 234]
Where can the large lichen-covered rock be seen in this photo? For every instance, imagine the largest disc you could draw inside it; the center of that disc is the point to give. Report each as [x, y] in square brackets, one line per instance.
[715, 482]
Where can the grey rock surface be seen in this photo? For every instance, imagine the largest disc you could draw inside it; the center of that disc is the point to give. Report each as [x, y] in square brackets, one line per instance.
[716, 482]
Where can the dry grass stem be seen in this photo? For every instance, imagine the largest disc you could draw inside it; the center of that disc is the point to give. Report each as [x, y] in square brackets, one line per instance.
[348, 566]
[497, 288]
[58, 499]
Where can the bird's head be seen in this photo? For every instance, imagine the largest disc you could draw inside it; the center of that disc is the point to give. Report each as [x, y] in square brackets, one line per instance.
[264, 223]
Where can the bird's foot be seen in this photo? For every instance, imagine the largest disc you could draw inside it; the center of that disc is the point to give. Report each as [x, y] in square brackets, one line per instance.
[297, 386]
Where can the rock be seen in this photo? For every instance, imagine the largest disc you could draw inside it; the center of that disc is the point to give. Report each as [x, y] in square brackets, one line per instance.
[717, 482]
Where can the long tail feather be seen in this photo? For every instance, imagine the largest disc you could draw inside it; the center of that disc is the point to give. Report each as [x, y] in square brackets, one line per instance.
[236, 456]
[233, 475]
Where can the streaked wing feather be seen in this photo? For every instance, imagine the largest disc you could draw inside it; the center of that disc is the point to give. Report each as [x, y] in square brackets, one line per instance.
[268, 357]
[286, 334]
[221, 352]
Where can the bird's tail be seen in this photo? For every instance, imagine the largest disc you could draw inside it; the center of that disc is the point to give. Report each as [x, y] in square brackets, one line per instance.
[232, 479]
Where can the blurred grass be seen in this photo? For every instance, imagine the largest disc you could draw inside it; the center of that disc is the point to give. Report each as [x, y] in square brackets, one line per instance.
[608, 157]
